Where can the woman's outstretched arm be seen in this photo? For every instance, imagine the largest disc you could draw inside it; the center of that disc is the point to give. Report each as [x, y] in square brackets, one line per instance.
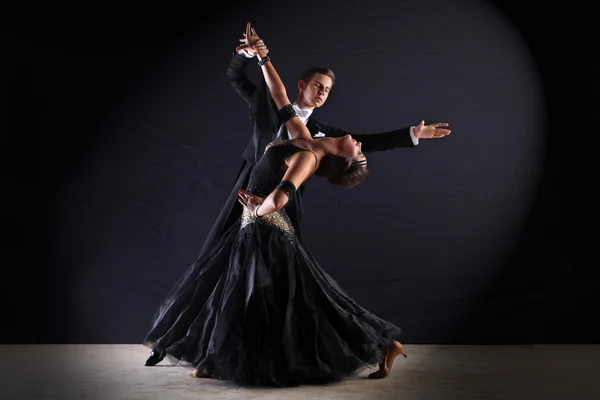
[295, 126]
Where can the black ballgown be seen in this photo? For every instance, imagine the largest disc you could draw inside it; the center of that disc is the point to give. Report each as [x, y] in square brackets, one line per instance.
[258, 310]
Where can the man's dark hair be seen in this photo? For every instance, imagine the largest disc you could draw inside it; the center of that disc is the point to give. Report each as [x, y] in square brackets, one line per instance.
[307, 75]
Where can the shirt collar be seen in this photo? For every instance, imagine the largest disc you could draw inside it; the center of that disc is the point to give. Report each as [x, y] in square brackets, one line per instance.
[302, 114]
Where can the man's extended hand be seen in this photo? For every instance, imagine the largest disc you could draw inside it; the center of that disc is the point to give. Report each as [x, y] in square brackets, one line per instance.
[431, 131]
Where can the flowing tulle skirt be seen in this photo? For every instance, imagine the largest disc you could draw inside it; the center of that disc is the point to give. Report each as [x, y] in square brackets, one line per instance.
[257, 309]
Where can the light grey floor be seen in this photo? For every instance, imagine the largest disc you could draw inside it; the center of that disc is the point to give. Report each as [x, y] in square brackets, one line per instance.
[116, 372]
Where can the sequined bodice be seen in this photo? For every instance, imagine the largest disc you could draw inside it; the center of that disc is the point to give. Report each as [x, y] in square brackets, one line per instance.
[270, 169]
[265, 176]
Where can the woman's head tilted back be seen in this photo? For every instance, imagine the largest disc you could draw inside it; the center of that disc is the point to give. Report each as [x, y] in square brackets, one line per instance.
[341, 171]
[348, 167]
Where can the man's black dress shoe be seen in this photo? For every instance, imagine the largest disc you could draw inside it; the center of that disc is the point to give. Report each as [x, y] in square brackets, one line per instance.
[154, 358]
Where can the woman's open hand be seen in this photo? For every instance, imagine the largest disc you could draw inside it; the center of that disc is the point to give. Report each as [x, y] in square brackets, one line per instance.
[250, 201]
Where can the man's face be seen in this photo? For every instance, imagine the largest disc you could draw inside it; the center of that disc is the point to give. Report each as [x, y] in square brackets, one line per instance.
[315, 93]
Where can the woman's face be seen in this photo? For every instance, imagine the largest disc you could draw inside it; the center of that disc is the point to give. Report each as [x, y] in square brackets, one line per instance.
[351, 148]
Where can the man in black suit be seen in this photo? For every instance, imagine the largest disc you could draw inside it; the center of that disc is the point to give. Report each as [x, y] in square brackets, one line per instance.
[314, 86]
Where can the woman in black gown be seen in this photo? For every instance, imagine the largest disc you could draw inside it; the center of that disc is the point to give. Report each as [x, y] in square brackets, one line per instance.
[257, 309]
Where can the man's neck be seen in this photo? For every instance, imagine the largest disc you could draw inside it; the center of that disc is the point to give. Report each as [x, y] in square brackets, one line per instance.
[303, 106]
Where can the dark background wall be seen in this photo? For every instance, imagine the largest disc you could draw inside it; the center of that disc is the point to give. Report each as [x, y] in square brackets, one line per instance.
[122, 137]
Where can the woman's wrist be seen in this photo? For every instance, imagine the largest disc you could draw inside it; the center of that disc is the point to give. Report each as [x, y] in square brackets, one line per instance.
[263, 61]
[256, 211]
[261, 50]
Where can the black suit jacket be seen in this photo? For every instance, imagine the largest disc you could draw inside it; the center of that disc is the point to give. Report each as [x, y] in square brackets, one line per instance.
[265, 123]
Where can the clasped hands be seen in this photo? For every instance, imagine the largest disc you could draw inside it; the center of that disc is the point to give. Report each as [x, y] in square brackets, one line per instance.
[251, 43]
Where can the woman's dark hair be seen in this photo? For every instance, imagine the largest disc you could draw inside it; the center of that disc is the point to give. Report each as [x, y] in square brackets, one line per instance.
[341, 171]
